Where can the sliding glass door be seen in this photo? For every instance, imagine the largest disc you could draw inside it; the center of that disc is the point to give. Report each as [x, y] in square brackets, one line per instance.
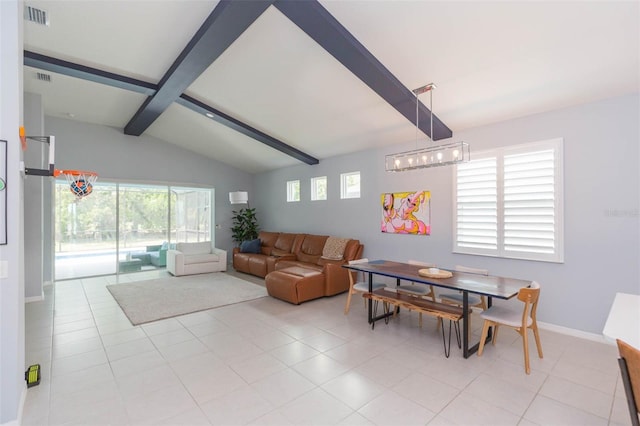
[85, 232]
[191, 215]
[143, 223]
[123, 228]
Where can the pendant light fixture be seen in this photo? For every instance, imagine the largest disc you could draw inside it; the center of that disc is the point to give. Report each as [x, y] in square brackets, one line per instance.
[431, 156]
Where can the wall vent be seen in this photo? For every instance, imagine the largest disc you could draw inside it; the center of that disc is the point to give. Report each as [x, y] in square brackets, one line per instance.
[38, 16]
[43, 77]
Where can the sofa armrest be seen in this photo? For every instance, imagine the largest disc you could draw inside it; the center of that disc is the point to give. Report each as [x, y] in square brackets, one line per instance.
[156, 247]
[336, 278]
[175, 262]
[222, 254]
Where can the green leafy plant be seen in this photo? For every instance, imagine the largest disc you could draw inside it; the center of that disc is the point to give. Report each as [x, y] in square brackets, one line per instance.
[245, 225]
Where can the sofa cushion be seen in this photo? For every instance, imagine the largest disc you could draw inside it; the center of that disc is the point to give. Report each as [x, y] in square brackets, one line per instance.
[268, 239]
[252, 246]
[201, 258]
[194, 248]
[334, 248]
[285, 242]
[300, 271]
[311, 248]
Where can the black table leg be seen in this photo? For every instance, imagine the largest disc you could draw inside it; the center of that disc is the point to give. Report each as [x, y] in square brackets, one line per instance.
[468, 351]
[370, 301]
[465, 324]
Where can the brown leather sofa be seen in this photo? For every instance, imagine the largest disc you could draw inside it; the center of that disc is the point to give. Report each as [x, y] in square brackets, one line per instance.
[293, 266]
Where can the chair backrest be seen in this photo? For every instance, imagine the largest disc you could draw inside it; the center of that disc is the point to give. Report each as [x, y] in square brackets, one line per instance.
[419, 263]
[631, 357]
[529, 296]
[354, 274]
[478, 271]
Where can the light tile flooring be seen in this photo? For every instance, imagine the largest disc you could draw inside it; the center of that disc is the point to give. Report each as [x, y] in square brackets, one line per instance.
[267, 362]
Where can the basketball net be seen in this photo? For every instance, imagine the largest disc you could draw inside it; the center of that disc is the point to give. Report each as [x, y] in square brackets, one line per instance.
[80, 182]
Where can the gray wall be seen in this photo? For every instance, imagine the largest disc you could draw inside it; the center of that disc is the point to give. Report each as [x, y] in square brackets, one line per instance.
[12, 384]
[116, 156]
[34, 213]
[601, 201]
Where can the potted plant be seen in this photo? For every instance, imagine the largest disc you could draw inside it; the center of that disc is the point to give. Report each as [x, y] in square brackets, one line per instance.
[245, 225]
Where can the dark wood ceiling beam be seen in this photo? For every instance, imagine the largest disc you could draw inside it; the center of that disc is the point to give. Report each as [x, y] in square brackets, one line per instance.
[224, 25]
[95, 75]
[322, 27]
[245, 129]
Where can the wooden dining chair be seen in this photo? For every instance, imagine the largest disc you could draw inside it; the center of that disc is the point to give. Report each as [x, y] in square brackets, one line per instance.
[521, 321]
[629, 362]
[419, 290]
[359, 286]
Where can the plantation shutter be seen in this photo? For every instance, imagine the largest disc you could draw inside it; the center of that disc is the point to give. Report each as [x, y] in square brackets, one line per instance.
[477, 205]
[508, 203]
[529, 203]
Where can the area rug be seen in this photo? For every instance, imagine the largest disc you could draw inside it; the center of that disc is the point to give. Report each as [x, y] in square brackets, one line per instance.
[152, 300]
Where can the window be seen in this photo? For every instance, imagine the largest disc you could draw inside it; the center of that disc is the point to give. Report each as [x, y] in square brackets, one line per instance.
[350, 185]
[293, 191]
[508, 203]
[319, 188]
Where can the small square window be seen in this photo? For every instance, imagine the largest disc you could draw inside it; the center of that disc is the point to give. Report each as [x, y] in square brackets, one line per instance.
[293, 191]
[350, 185]
[319, 188]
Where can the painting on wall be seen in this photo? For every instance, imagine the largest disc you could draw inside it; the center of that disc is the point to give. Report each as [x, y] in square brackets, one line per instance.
[406, 212]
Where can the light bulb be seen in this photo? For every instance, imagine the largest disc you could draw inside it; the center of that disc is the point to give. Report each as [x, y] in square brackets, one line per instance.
[397, 162]
[439, 156]
[455, 154]
[410, 161]
[424, 159]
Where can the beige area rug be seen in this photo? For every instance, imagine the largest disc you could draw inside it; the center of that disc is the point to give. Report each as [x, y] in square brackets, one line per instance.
[152, 300]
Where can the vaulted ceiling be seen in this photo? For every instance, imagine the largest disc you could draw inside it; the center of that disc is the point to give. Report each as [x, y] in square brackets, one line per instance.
[267, 84]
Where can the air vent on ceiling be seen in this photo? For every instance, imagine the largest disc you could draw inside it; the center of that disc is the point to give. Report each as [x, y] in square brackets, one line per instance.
[43, 77]
[39, 16]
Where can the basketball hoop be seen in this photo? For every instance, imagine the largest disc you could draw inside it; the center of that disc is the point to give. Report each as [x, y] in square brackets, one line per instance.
[80, 182]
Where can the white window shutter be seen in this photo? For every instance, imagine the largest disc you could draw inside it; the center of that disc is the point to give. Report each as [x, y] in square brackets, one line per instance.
[508, 203]
[529, 200]
[476, 204]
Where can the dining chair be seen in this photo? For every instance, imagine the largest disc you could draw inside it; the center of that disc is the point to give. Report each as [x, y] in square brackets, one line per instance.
[521, 321]
[419, 290]
[629, 362]
[359, 286]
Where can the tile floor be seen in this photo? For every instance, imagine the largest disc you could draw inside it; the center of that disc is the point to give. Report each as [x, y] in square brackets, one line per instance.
[267, 362]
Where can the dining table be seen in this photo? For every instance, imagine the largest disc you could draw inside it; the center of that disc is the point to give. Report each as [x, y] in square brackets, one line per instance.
[467, 283]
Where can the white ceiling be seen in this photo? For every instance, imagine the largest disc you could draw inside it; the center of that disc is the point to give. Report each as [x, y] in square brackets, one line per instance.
[491, 61]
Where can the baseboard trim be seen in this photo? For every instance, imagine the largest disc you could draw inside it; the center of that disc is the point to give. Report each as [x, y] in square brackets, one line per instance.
[23, 399]
[575, 333]
[18, 421]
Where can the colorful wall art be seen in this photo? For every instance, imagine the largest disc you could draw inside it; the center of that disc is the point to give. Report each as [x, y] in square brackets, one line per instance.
[406, 212]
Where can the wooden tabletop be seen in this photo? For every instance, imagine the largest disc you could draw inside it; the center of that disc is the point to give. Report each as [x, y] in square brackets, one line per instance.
[492, 286]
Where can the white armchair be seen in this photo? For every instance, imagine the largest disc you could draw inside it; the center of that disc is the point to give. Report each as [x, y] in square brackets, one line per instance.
[196, 258]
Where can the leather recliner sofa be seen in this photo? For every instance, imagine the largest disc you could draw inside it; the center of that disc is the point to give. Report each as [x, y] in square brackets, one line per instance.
[294, 267]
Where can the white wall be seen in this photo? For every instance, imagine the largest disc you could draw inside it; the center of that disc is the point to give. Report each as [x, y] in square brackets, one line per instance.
[602, 187]
[116, 156]
[12, 384]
